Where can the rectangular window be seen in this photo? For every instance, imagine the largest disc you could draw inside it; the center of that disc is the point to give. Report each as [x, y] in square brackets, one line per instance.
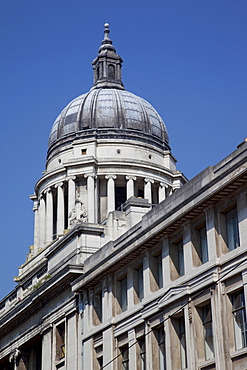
[60, 341]
[182, 340]
[203, 244]
[180, 247]
[124, 357]
[140, 290]
[98, 306]
[239, 319]
[232, 229]
[100, 362]
[208, 332]
[162, 348]
[142, 353]
[160, 271]
[123, 296]
[98, 355]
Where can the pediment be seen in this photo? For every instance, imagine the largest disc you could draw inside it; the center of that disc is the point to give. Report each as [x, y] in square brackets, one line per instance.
[174, 293]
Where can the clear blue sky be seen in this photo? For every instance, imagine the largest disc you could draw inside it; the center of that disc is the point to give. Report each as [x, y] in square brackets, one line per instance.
[186, 57]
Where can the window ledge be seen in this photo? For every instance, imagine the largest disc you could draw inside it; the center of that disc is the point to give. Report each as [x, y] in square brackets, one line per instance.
[60, 363]
[207, 363]
[239, 352]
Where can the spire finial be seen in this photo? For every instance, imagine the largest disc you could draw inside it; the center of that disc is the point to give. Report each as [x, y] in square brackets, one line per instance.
[106, 40]
[107, 65]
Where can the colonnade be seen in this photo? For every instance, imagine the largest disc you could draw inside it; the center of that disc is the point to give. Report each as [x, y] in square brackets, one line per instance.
[50, 222]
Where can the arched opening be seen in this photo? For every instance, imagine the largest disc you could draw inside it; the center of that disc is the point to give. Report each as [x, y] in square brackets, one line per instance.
[111, 71]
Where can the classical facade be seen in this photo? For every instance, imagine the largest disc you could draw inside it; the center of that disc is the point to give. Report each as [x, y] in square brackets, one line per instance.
[132, 266]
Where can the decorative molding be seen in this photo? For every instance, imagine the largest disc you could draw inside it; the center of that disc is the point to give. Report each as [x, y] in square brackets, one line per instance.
[163, 185]
[14, 356]
[131, 178]
[60, 184]
[70, 178]
[147, 180]
[110, 177]
[90, 175]
[48, 190]
[172, 294]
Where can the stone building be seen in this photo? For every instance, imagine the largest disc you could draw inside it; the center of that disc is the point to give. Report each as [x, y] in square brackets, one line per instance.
[133, 266]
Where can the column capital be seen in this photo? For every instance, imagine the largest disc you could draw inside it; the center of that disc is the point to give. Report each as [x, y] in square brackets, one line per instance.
[15, 354]
[48, 190]
[163, 185]
[105, 284]
[60, 184]
[147, 180]
[110, 177]
[90, 175]
[70, 178]
[129, 177]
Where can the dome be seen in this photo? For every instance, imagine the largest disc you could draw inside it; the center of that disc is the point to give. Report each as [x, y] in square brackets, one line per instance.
[108, 111]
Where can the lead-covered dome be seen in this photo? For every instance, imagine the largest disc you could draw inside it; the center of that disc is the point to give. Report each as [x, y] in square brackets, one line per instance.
[108, 110]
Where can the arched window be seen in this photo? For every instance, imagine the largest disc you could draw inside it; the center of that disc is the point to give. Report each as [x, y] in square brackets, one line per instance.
[97, 73]
[111, 71]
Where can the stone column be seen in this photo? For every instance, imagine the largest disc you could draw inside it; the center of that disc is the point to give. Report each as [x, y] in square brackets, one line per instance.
[42, 220]
[110, 192]
[130, 186]
[162, 191]
[60, 208]
[146, 274]
[72, 336]
[46, 349]
[148, 189]
[242, 217]
[90, 196]
[132, 350]
[15, 357]
[188, 256]
[71, 197]
[104, 69]
[244, 278]
[107, 299]
[88, 361]
[49, 215]
[211, 233]
[36, 221]
[108, 348]
[166, 268]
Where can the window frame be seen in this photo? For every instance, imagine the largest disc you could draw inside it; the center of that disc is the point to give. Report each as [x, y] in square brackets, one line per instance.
[207, 321]
[232, 228]
[240, 335]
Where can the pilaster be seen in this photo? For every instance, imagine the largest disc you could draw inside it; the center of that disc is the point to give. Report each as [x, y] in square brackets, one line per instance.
[108, 348]
[146, 274]
[47, 350]
[242, 217]
[211, 233]
[188, 257]
[166, 262]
